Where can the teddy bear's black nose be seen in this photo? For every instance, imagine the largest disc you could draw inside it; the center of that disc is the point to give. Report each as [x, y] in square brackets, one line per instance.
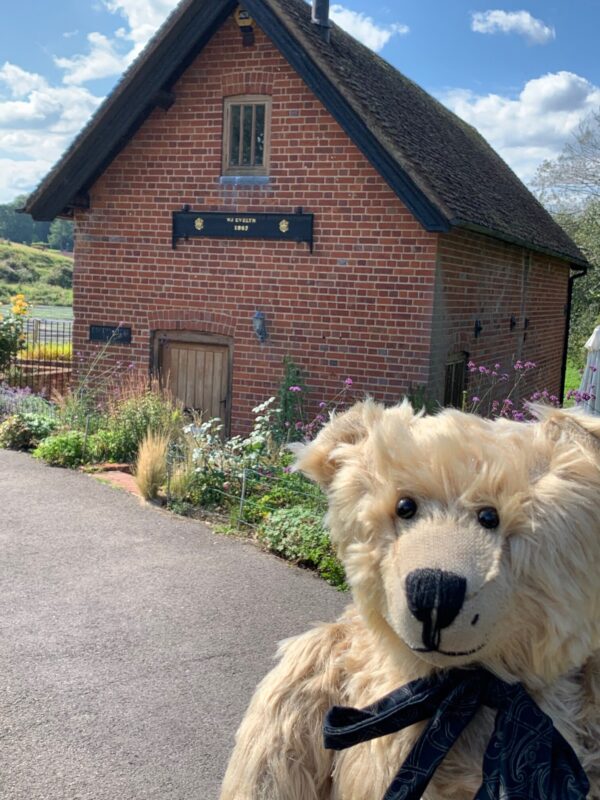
[435, 598]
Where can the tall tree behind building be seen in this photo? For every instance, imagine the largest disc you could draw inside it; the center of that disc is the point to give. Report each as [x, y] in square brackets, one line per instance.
[23, 229]
[570, 187]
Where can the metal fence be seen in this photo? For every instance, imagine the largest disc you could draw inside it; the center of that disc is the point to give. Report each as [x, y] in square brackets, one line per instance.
[45, 361]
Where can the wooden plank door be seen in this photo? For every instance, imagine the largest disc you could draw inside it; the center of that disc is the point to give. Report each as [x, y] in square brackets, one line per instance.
[197, 374]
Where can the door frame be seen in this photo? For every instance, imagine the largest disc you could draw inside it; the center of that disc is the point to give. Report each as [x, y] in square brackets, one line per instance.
[196, 337]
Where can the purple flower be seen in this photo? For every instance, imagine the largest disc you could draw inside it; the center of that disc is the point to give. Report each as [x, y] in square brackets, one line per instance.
[322, 404]
[476, 399]
[348, 381]
[497, 366]
[298, 425]
[295, 389]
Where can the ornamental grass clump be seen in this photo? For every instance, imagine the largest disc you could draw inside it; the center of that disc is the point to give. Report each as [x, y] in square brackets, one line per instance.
[151, 464]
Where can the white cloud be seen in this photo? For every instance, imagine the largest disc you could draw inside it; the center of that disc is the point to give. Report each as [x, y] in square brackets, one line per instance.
[102, 61]
[143, 16]
[521, 22]
[18, 81]
[37, 122]
[18, 177]
[364, 28]
[533, 126]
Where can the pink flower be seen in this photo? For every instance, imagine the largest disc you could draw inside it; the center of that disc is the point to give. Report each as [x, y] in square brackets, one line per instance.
[295, 389]
[348, 381]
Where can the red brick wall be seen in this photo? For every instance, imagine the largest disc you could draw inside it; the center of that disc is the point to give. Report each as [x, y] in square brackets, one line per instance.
[360, 305]
[480, 278]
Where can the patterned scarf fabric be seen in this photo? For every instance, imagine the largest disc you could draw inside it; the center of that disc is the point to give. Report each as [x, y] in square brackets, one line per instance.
[526, 758]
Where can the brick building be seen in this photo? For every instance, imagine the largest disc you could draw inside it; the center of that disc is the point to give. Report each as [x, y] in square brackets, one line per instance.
[260, 185]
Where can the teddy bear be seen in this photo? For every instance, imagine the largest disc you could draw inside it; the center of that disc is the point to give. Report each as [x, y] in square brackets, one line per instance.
[472, 548]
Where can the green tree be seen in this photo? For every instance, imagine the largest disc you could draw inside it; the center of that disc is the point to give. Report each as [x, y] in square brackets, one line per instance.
[61, 235]
[570, 187]
[14, 226]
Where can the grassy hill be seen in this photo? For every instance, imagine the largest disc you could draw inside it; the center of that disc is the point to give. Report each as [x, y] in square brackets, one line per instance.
[43, 276]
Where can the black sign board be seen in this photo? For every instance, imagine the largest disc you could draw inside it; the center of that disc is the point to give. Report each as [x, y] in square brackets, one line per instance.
[236, 225]
[109, 334]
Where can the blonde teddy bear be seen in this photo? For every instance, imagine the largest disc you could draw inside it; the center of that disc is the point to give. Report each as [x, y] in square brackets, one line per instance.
[469, 663]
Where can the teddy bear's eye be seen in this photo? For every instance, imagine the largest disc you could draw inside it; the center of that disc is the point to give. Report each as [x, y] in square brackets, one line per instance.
[406, 508]
[488, 517]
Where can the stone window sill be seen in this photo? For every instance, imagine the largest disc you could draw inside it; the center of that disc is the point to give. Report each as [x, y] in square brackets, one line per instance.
[244, 180]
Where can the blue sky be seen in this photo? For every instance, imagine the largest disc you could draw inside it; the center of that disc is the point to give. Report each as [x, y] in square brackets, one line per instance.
[525, 74]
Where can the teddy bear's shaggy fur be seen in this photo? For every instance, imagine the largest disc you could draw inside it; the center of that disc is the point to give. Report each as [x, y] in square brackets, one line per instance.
[531, 611]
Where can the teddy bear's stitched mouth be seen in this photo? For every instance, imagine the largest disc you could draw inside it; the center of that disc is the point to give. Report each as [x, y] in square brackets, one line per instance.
[447, 652]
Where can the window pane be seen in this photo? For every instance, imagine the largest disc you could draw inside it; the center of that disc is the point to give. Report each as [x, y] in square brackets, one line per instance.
[259, 147]
[234, 144]
[247, 134]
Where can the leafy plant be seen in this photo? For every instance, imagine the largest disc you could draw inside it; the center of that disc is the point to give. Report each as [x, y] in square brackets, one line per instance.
[282, 489]
[11, 331]
[25, 430]
[62, 450]
[14, 400]
[298, 535]
[61, 275]
[130, 421]
[104, 445]
[292, 400]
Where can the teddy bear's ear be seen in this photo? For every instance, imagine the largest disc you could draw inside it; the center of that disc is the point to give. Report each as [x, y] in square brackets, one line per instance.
[317, 459]
[574, 425]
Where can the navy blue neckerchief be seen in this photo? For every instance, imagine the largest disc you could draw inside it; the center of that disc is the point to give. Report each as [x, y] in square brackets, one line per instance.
[526, 758]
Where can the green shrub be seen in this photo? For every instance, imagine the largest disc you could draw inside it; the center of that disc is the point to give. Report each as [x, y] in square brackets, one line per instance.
[25, 430]
[61, 275]
[208, 488]
[62, 450]
[17, 272]
[131, 420]
[105, 445]
[297, 534]
[281, 490]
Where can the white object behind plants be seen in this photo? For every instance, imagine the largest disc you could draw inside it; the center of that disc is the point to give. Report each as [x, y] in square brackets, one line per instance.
[590, 381]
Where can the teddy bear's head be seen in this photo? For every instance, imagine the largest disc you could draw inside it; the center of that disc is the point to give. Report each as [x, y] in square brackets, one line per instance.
[468, 541]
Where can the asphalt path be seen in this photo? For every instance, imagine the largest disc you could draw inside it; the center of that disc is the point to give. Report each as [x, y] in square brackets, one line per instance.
[130, 640]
